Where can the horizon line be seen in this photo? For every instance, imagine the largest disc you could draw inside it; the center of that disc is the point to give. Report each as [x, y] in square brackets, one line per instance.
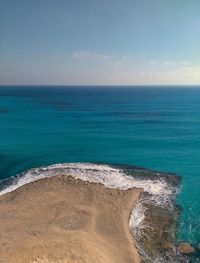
[100, 85]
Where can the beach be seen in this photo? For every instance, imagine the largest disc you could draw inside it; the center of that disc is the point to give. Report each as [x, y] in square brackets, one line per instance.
[62, 219]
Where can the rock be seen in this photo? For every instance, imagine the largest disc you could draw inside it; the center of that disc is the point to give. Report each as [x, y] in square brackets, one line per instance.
[185, 248]
[158, 236]
[167, 245]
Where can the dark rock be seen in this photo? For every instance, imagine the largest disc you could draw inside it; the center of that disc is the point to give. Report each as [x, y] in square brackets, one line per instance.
[168, 246]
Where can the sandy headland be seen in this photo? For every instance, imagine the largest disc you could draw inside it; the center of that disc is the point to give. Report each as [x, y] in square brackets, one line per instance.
[66, 220]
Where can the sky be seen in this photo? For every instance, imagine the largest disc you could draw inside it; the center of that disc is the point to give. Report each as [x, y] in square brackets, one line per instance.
[99, 42]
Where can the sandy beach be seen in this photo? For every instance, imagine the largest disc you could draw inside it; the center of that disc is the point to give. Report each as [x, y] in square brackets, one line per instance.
[64, 220]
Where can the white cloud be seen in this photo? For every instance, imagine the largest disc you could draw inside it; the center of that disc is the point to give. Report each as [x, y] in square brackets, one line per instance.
[101, 56]
[153, 63]
[126, 70]
[117, 61]
[85, 55]
[79, 55]
[169, 63]
[185, 63]
[176, 63]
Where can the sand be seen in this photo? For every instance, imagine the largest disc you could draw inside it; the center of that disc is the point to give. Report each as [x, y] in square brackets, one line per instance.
[63, 220]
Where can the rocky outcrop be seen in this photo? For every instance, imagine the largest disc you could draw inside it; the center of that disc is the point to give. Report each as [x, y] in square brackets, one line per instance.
[185, 248]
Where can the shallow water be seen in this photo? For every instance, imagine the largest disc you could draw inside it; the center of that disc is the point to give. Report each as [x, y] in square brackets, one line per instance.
[150, 127]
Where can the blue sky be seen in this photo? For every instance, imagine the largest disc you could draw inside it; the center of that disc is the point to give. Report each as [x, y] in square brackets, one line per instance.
[99, 42]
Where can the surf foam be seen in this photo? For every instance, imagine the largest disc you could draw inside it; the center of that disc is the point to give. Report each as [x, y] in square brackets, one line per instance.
[107, 175]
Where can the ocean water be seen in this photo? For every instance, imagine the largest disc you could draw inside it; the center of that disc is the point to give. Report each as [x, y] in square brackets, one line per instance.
[153, 127]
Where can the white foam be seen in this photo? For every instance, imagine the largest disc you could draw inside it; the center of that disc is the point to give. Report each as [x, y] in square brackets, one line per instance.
[137, 216]
[105, 174]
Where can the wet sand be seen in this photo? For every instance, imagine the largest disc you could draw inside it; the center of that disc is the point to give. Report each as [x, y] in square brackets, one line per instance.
[63, 220]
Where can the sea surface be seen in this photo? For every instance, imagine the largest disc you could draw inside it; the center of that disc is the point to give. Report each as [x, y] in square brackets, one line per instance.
[153, 127]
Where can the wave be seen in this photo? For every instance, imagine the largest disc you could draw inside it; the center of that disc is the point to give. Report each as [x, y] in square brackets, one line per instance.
[105, 174]
[159, 190]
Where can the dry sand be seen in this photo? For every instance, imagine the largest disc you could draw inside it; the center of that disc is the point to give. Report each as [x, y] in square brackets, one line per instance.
[64, 220]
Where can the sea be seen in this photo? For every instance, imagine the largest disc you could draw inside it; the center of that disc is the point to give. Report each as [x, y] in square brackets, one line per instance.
[94, 128]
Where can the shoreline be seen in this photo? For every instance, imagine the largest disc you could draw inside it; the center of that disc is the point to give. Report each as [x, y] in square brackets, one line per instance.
[62, 219]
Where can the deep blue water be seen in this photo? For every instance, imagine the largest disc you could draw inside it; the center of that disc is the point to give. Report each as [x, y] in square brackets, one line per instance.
[157, 128]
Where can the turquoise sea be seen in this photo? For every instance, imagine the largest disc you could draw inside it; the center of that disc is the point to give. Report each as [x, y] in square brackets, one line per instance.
[151, 127]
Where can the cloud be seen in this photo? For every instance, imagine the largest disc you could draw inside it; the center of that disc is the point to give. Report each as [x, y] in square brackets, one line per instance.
[80, 55]
[169, 63]
[183, 69]
[117, 61]
[176, 63]
[85, 55]
[153, 63]
[125, 61]
[101, 56]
